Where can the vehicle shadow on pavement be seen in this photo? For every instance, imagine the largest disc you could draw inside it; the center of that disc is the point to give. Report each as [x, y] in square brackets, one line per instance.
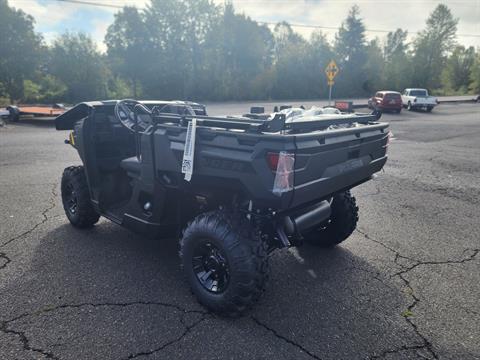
[108, 293]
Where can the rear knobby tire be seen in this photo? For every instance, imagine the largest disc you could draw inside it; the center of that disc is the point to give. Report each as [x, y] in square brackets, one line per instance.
[241, 251]
[76, 198]
[342, 222]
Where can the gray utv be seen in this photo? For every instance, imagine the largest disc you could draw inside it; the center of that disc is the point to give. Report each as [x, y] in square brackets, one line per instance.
[232, 189]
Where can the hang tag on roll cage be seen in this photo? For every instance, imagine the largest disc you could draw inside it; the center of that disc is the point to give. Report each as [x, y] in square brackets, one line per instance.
[189, 151]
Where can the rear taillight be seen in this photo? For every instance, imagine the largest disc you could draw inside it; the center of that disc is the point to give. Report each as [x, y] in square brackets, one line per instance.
[283, 165]
[272, 160]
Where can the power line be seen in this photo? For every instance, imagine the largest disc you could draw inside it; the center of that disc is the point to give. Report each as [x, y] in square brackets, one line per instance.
[336, 28]
[81, 2]
[294, 25]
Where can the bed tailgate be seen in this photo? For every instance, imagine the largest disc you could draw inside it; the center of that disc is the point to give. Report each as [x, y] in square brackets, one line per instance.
[330, 161]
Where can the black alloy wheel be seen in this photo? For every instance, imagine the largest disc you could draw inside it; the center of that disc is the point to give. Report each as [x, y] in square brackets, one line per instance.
[210, 266]
[70, 199]
[76, 198]
[225, 261]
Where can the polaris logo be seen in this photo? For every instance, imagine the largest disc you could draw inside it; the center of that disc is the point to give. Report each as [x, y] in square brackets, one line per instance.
[223, 164]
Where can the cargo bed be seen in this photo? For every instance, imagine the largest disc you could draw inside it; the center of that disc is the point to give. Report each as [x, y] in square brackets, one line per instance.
[231, 153]
[330, 155]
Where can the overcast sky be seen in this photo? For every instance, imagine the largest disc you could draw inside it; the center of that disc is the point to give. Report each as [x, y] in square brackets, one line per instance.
[54, 17]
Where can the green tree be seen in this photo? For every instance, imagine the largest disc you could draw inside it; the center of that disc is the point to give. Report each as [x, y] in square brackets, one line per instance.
[395, 44]
[475, 75]
[20, 49]
[128, 47]
[290, 65]
[52, 90]
[318, 55]
[351, 52]
[77, 63]
[432, 46]
[397, 66]
[456, 74]
[237, 58]
[177, 31]
[374, 67]
[4, 100]
[31, 91]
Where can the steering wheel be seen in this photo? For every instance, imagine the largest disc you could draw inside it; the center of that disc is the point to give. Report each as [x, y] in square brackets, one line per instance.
[126, 111]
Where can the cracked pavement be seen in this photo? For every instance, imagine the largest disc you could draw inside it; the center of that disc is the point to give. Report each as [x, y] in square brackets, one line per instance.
[404, 286]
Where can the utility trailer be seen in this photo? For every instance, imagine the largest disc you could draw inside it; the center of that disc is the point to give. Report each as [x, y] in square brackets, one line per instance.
[232, 189]
[35, 112]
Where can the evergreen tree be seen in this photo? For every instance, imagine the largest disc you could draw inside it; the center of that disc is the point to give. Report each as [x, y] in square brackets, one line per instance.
[238, 58]
[127, 47]
[397, 62]
[475, 75]
[432, 46]
[319, 54]
[20, 48]
[351, 54]
[456, 74]
[76, 61]
[374, 67]
[290, 67]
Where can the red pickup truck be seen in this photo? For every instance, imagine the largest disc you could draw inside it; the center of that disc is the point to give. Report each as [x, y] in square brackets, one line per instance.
[386, 101]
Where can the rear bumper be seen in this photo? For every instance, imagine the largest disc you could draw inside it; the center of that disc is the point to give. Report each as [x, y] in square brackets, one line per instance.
[390, 107]
[420, 105]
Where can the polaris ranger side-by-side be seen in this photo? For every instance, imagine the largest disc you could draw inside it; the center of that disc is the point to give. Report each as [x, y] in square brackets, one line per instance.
[232, 188]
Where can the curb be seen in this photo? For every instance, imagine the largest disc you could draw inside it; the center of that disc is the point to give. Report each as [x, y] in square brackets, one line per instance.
[464, 101]
[471, 101]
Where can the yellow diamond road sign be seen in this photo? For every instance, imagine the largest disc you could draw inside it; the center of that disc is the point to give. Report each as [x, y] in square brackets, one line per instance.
[331, 70]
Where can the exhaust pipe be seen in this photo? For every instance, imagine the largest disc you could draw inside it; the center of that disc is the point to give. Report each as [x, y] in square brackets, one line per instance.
[312, 217]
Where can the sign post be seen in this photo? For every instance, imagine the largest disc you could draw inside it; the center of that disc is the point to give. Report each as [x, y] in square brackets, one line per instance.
[331, 71]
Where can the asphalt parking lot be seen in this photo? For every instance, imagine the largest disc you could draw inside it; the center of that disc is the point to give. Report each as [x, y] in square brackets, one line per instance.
[406, 285]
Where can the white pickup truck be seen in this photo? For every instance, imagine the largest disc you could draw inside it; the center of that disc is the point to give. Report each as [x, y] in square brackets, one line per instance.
[418, 99]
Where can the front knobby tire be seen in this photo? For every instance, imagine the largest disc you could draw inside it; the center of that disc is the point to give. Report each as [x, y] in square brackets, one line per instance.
[76, 198]
[225, 262]
[342, 222]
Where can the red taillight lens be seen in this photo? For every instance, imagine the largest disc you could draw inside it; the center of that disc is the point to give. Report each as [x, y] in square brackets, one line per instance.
[272, 160]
